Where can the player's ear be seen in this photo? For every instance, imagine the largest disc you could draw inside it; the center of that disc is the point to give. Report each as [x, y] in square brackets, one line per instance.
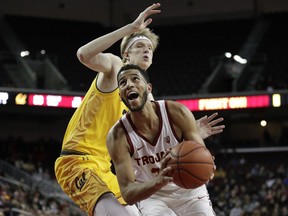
[125, 56]
[149, 87]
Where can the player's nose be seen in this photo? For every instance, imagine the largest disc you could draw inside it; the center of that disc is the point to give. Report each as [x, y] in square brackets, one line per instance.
[130, 83]
[146, 49]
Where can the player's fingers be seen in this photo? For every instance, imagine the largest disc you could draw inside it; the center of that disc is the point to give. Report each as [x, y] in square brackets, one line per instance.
[213, 174]
[218, 128]
[216, 121]
[166, 174]
[149, 13]
[166, 170]
[153, 6]
[152, 9]
[165, 159]
[209, 118]
[211, 177]
[147, 22]
[216, 132]
[166, 153]
[203, 118]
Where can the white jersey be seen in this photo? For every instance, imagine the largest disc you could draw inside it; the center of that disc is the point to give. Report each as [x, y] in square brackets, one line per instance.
[146, 156]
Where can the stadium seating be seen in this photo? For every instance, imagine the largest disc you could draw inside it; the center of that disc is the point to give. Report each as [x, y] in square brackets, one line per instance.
[274, 47]
[257, 181]
[190, 51]
[185, 50]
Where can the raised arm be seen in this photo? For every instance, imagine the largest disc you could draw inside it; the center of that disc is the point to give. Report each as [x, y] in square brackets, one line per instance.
[119, 151]
[91, 54]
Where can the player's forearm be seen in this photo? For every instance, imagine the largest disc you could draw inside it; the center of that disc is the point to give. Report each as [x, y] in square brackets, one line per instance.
[98, 45]
[136, 192]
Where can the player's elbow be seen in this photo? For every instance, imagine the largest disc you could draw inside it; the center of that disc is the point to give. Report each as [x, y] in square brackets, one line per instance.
[129, 197]
[129, 200]
[80, 55]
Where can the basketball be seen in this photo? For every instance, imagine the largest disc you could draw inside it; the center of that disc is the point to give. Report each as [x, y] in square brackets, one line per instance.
[192, 164]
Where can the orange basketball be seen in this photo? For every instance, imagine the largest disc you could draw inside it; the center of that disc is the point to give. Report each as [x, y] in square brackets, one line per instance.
[192, 164]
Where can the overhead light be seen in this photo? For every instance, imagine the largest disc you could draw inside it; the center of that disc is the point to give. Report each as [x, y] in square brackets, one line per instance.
[263, 123]
[240, 59]
[228, 54]
[24, 53]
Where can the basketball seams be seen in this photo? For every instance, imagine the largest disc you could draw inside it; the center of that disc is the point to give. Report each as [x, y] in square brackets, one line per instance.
[189, 151]
[203, 181]
[177, 162]
[193, 175]
[192, 164]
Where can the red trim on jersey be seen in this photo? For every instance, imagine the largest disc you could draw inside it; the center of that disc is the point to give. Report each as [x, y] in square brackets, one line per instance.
[128, 138]
[171, 123]
[154, 142]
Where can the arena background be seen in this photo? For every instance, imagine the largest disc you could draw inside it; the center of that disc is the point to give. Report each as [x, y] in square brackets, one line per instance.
[191, 65]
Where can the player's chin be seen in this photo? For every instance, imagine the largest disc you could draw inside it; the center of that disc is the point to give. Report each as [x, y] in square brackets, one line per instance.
[133, 102]
[134, 107]
[145, 64]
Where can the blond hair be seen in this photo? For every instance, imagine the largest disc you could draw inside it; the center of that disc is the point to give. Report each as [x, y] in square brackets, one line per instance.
[144, 32]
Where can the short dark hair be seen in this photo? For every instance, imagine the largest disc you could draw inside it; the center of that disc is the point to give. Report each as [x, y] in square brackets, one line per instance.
[136, 67]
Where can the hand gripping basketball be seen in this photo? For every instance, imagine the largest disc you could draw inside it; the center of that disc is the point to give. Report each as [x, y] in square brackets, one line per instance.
[192, 164]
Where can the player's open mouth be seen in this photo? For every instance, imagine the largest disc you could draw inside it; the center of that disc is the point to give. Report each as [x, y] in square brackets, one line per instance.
[132, 95]
[146, 58]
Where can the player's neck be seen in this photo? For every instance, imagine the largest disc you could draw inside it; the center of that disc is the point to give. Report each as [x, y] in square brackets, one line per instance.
[147, 119]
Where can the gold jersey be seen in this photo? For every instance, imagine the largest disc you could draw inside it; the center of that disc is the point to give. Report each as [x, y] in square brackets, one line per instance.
[88, 128]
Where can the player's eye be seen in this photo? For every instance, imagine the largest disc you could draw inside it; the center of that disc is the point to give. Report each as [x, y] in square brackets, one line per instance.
[122, 83]
[136, 78]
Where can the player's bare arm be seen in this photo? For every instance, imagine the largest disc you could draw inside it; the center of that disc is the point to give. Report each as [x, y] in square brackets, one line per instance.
[184, 122]
[120, 153]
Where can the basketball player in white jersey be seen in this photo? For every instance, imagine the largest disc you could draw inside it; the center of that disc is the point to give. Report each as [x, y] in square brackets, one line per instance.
[139, 145]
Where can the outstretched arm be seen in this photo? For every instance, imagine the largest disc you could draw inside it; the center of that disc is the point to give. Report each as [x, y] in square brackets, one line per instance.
[91, 53]
[207, 126]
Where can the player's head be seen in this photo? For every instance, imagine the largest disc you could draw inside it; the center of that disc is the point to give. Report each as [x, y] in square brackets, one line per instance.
[127, 67]
[134, 86]
[138, 48]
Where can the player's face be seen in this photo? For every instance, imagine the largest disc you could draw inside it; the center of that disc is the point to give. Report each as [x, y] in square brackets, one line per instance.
[141, 53]
[133, 89]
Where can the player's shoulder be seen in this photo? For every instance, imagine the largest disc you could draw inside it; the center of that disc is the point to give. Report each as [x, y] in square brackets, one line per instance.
[112, 62]
[116, 60]
[115, 131]
[113, 57]
[177, 110]
[171, 104]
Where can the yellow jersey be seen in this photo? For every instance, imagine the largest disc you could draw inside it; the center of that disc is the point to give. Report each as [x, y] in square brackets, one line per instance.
[88, 128]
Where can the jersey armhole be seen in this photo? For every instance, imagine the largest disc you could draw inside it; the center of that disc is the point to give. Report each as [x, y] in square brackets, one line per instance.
[128, 138]
[180, 139]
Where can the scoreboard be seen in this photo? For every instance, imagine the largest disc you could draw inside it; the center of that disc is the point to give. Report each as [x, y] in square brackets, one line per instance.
[70, 101]
[39, 99]
[226, 103]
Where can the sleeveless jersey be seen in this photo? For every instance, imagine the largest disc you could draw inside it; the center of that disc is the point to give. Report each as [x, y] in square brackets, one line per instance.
[88, 128]
[146, 156]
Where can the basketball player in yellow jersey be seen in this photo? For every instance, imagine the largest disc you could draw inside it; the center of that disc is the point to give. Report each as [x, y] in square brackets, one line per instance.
[83, 168]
